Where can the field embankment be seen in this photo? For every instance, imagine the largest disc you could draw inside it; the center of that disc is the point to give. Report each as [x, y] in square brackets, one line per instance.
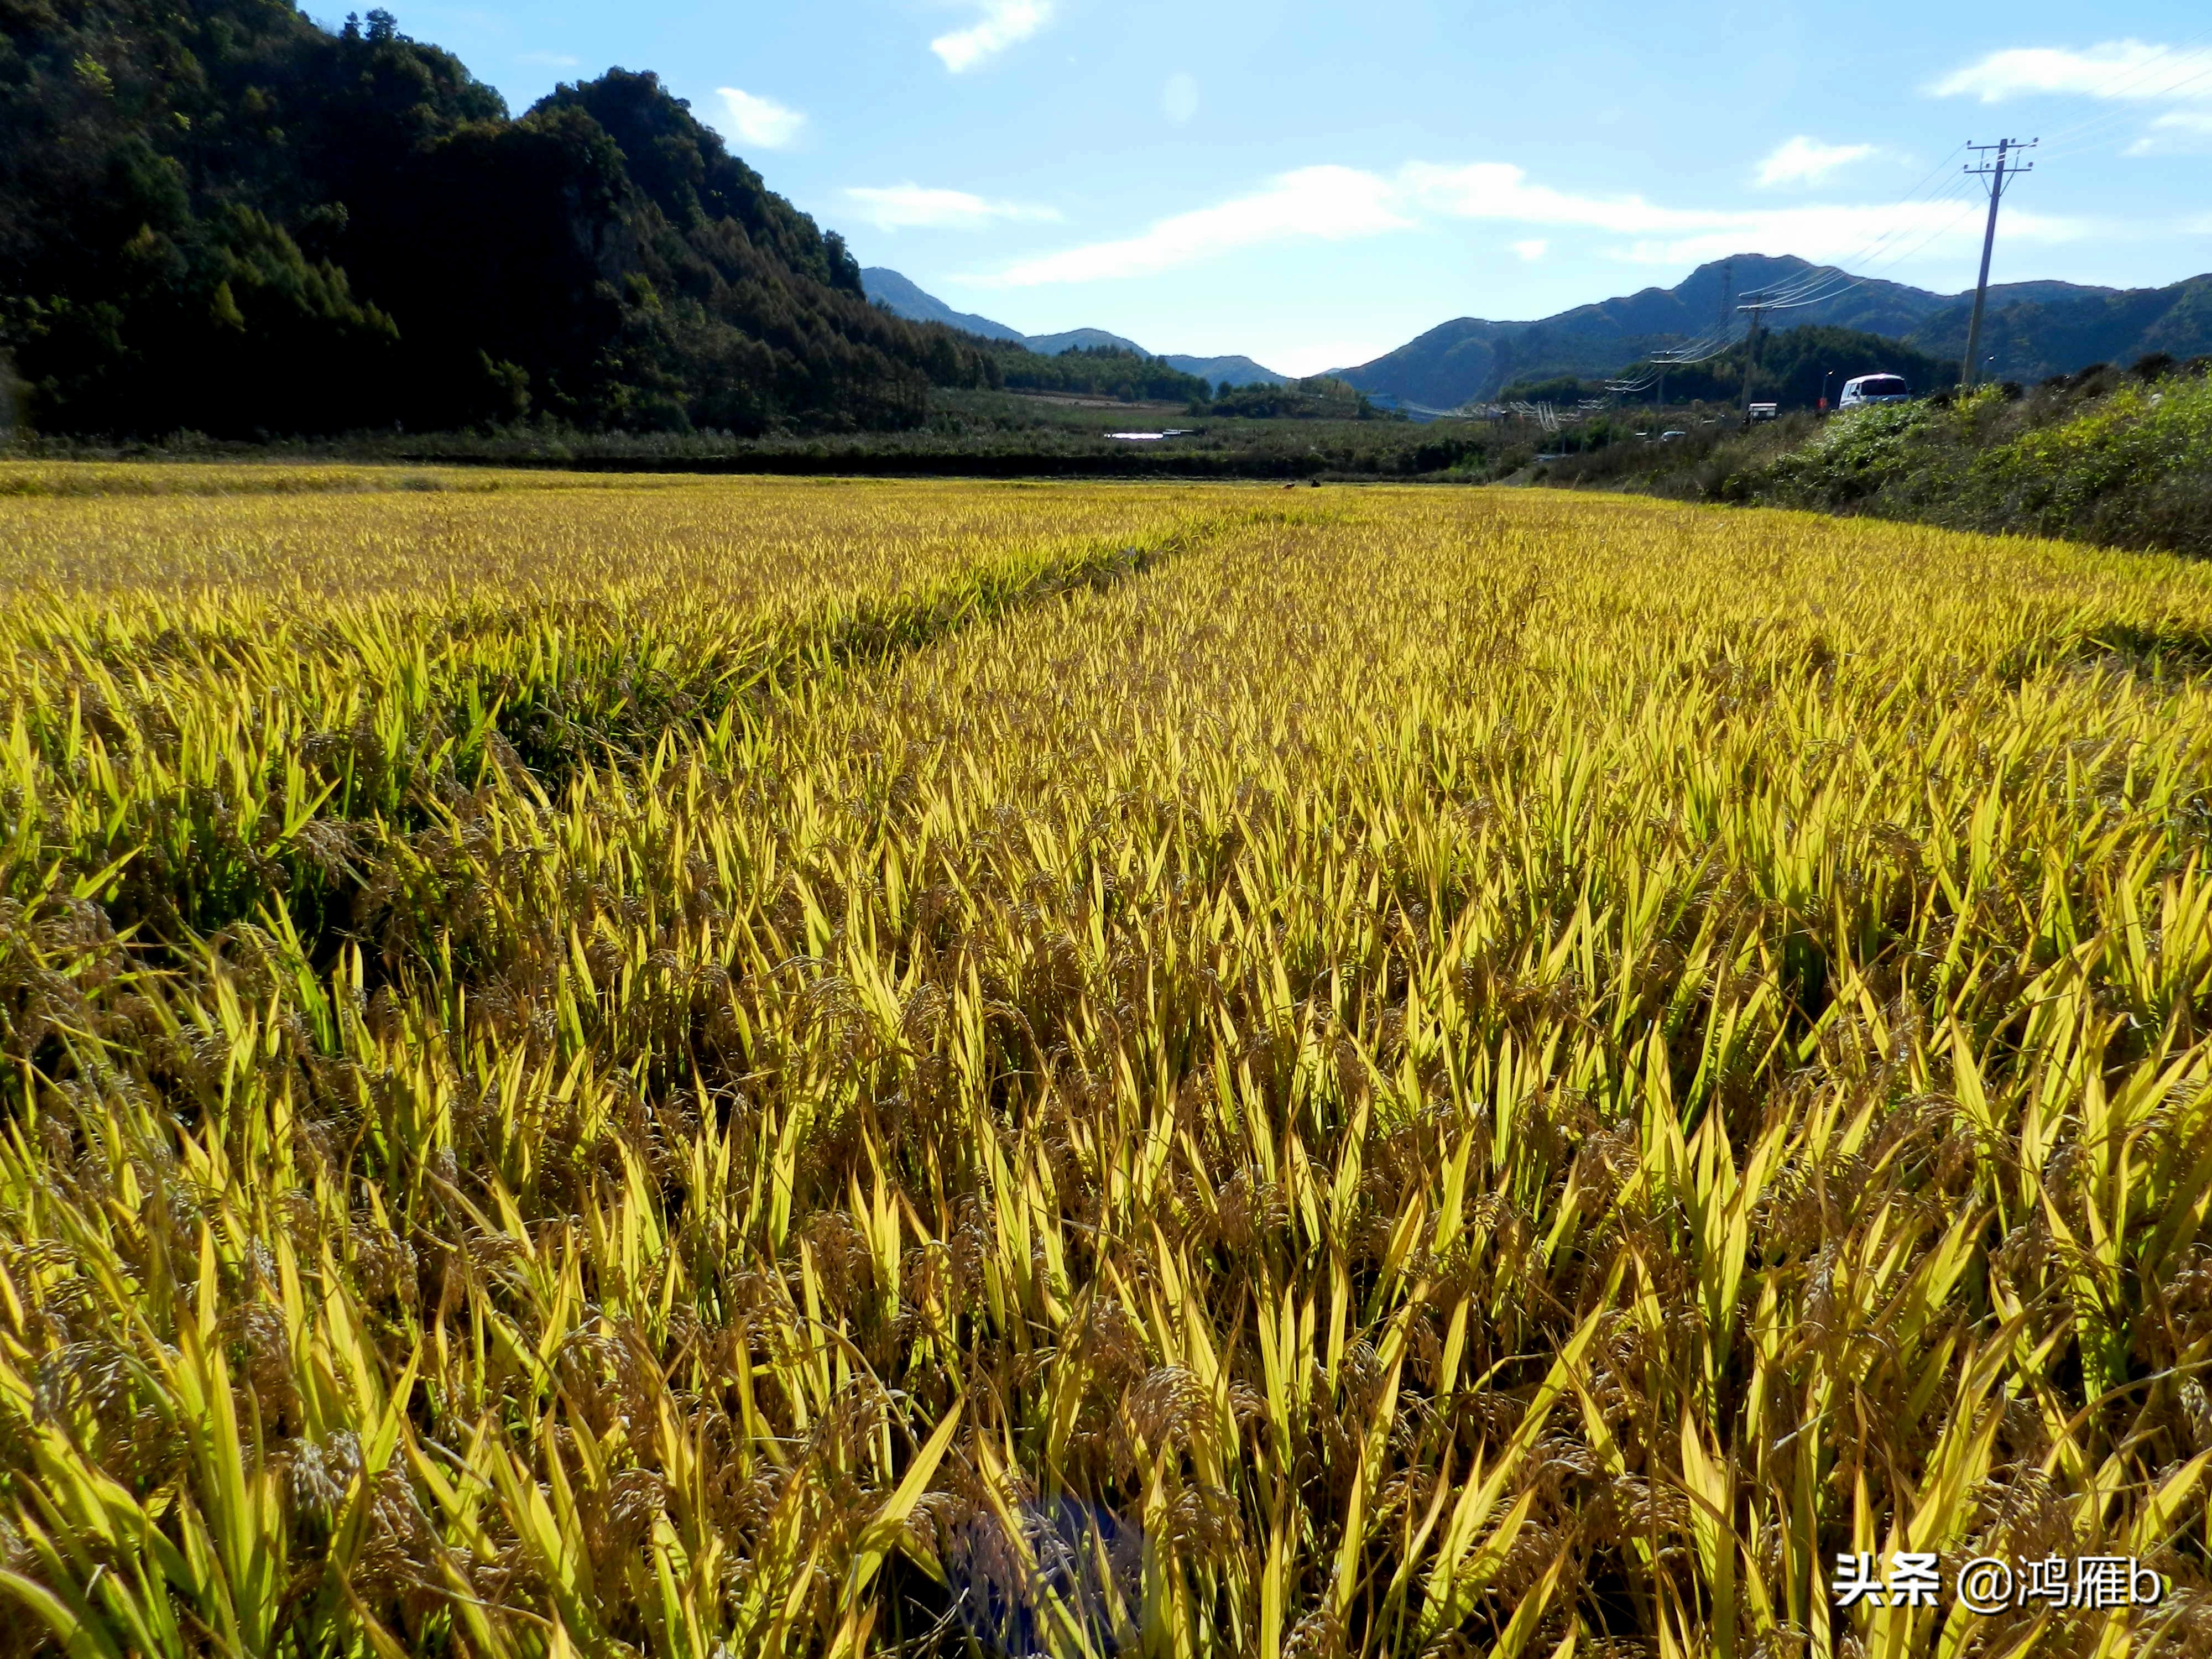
[1385, 1071]
[2121, 459]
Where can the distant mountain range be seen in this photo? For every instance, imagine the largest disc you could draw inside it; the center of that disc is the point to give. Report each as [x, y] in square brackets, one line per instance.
[897, 294]
[893, 292]
[2032, 329]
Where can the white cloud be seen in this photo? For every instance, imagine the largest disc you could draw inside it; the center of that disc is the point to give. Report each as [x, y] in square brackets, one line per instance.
[1179, 98]
[1330, 203]
[760, 122]
[2117, 68]
[1004, 23]
[1498, 190]
[910, 206]
[1802, 160]
[1669, 235]
[2117, 71]
[549, 60]
[2178, 131]
[1337, 204]
[1920, 229]
[1532, 250]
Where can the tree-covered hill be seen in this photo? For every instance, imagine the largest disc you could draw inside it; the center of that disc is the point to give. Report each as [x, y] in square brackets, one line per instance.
[1097, 371]
[1321, 397]
[2034, 329]
[1473, 359]
[2033, 338]
[216, 216]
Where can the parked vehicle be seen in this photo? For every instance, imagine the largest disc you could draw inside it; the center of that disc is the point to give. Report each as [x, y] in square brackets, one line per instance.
[1875, 389]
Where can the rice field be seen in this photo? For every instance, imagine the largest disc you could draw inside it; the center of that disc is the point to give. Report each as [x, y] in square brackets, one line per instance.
[736, 1068]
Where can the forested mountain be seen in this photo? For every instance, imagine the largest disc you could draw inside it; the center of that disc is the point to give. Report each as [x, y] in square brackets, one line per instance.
[2036, 329]
[888, 288]
[2064, 334]
[1084, 339]
[1236, 370]
[216, 215]
[1099, 371]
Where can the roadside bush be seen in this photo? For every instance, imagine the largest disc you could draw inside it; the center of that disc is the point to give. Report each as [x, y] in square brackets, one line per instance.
[2117, 456]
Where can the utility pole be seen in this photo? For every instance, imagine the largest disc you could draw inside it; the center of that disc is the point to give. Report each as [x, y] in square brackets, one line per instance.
[1994, 172]
[1753, 303]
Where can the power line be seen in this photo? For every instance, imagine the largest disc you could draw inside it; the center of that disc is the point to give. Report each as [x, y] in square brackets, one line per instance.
[1869, 254]
[1836, 276]
[1841, 287]
[1957, 191]
[2143, 72]
[1807, 280]
[2087, 134]
[2132, 90]
[1698, 351]
[1817, 285]
[1963, 205]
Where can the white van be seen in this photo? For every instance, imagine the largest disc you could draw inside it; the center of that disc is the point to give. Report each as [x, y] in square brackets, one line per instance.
[1875, 389]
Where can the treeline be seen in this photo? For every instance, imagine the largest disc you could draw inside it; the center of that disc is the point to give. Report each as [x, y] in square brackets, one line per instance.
[216, 216]
[1319, 398]
[1097, 371]
[975, 433]
[1793, 365]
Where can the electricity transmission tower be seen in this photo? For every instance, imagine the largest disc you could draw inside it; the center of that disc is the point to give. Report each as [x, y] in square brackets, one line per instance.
[1995, 172]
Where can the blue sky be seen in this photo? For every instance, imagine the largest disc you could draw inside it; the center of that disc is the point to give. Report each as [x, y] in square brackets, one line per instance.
[1314, 184]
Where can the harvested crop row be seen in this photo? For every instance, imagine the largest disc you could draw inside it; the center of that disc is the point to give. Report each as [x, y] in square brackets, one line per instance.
[1439, 1068]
